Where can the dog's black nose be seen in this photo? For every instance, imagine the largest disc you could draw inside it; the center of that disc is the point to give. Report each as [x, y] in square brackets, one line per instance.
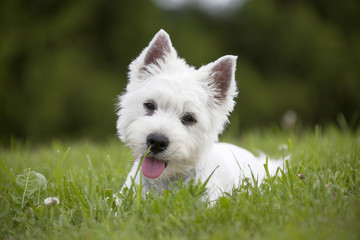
[158, 143]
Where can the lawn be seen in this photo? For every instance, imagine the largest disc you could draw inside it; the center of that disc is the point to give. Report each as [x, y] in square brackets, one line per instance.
[317, 197]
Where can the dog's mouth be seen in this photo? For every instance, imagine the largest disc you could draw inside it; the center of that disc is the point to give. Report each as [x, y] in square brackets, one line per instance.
[153, 167]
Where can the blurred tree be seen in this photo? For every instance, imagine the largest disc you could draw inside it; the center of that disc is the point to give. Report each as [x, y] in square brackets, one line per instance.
[62, 63]
[301, 61]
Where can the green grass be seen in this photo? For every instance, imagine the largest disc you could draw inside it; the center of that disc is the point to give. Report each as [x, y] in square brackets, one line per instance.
[324, 203]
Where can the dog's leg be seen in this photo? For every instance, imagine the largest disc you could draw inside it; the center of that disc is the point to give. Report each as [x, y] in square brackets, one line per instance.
[132, 180]
[132, 177]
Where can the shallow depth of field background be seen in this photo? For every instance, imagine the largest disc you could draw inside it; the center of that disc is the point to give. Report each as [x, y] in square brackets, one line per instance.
[63, 63]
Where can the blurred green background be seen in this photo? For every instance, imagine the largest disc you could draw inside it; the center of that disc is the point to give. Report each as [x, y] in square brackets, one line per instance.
[63, 63]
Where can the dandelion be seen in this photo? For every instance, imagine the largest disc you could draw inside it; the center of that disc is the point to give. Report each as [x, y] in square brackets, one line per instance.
[289, 118]
[51, 201]
[283, 147]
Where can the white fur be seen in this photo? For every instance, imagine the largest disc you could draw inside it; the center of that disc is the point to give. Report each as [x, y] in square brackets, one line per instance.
[178, 89]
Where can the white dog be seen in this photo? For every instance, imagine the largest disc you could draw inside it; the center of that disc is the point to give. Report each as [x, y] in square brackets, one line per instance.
[178, 112]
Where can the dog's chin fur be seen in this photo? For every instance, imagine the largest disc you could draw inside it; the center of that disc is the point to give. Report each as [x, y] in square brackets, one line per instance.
[176, 89]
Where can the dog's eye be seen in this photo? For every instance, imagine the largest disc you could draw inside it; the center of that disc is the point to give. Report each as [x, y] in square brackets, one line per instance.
[150, 108]
[188, 119]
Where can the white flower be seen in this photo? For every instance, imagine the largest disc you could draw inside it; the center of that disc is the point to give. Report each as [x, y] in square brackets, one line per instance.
[289, 119]
[51, 201]
[283, 147]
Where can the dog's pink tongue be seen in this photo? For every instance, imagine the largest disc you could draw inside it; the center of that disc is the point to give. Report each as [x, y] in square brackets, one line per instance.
[152, 167]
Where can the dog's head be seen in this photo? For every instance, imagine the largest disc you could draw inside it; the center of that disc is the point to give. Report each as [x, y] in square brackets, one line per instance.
[175, 109]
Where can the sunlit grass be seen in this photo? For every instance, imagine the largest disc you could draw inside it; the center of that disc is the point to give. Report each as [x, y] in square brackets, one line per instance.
[318, 197]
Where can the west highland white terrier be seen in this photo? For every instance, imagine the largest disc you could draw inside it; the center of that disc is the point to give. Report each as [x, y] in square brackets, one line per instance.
[178, 112]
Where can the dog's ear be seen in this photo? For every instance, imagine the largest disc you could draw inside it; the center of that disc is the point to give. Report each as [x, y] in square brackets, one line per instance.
[222, 77]
[153, 57]
[159, 47]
